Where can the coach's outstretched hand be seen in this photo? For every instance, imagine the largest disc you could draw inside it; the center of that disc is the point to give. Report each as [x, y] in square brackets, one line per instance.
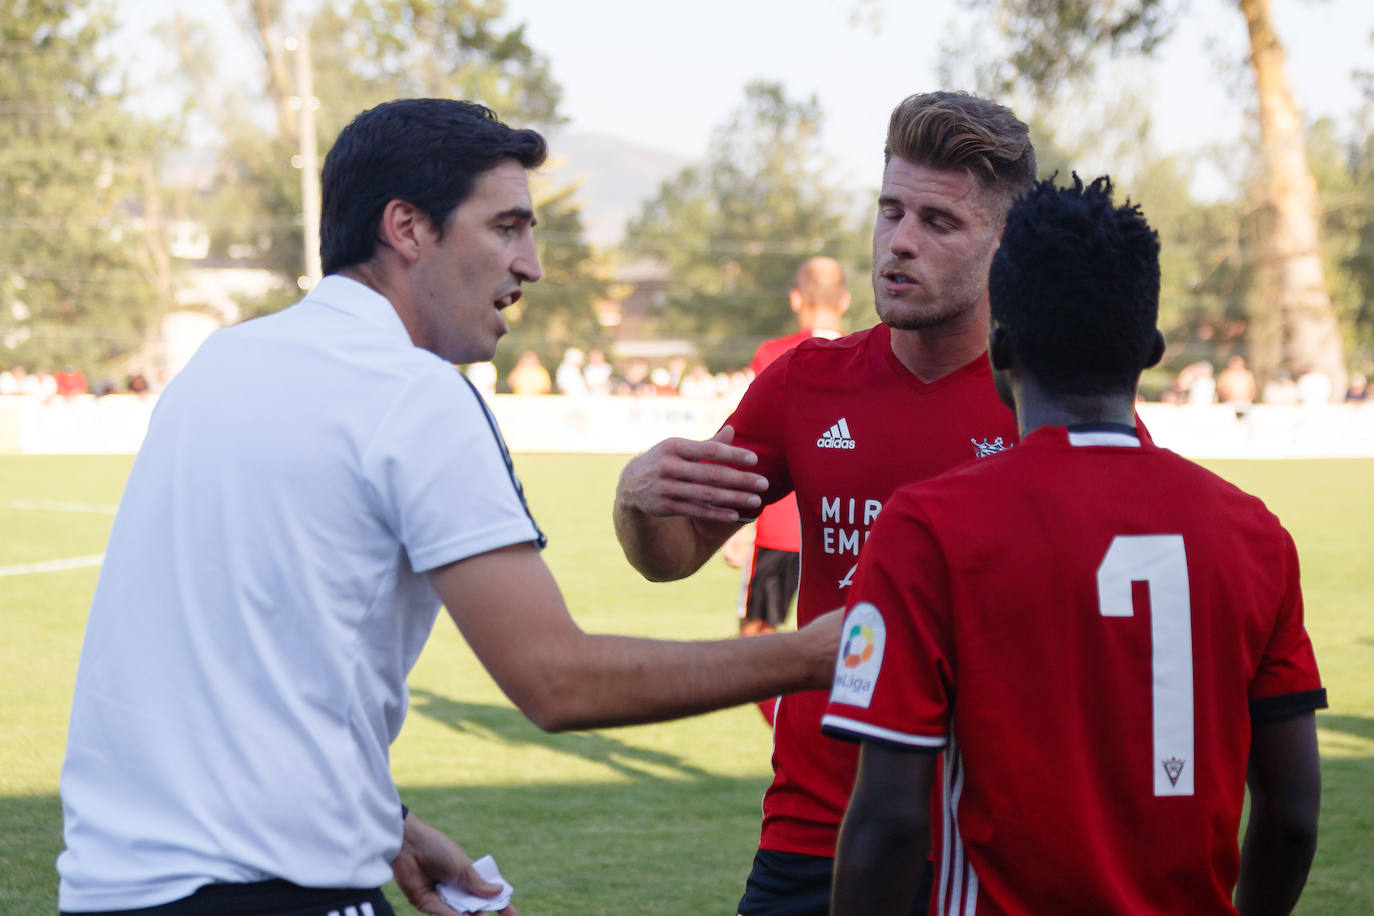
[823, 645]
[678, 502]
[427, 858]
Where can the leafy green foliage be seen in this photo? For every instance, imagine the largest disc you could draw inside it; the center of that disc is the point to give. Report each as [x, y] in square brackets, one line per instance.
[559, 310]
[1344, 171]
[734, 228]
[369, 51]
[78, 280]
[1052, 42]
[1054, 46]
[365, 52]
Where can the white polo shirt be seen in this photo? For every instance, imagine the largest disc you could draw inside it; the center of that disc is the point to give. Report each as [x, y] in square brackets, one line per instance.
[263, 597]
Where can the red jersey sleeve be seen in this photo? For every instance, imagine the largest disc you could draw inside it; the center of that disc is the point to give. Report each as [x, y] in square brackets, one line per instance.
[894, 677]
[759, 424]
[1287, 681]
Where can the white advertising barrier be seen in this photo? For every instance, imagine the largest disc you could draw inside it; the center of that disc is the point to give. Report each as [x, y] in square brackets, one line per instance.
[116, 425]
[1263, 430]
[111, 425]
[554, 423]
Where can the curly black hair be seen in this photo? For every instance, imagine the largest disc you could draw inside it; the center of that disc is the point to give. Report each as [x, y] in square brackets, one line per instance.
[1075, 286]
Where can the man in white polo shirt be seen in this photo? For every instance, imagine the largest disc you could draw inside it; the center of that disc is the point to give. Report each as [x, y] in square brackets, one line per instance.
[312, 486]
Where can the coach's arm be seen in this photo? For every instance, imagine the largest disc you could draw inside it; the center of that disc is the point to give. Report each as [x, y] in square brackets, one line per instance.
[510, 610]
[886, 828]
[1285, 796]
[677, 503]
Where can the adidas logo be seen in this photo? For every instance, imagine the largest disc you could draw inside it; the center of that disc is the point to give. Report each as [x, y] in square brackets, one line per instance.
[836, 436]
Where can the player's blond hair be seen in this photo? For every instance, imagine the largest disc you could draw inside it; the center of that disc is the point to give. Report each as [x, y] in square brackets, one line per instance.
[957, 130]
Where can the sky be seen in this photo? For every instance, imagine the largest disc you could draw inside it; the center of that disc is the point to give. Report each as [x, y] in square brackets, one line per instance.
[665, 75]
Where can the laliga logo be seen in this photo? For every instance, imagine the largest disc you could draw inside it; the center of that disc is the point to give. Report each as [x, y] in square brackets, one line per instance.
[858, 648]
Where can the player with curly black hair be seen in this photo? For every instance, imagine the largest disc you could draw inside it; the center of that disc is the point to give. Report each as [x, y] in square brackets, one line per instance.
[1102, 640]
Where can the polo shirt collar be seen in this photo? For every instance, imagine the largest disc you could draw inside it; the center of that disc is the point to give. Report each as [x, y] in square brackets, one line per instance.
[360, 301]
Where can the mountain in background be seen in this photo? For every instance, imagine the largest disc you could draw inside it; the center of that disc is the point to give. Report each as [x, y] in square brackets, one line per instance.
[615, 178]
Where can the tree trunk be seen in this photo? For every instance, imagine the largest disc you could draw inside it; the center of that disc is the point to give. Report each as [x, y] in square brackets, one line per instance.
[160, 259]
[1310, 336]
[267, 18]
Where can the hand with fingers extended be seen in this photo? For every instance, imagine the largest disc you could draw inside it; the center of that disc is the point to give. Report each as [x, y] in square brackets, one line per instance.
[679, 501]
[693, 478]
[428, 858]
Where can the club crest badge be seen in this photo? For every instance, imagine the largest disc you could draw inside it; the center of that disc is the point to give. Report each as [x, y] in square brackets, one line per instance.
[1173, 767]
[985, 448]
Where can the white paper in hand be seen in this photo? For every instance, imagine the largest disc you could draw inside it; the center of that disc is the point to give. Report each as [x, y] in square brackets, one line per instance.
[463, 902]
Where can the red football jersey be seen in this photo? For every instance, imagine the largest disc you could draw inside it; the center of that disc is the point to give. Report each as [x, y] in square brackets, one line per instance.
[778, 527]
[1087, 624]
[844, 424]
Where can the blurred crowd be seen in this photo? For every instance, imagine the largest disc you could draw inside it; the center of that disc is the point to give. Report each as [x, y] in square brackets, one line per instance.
[1200, 384]
[580, 374]
[590, 373]
[44, 386]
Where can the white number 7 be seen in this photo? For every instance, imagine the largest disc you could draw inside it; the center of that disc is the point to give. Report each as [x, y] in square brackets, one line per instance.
[1159, 560]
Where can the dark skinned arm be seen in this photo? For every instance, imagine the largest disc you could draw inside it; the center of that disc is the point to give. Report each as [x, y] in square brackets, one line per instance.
[885, 837]
[1285, 794]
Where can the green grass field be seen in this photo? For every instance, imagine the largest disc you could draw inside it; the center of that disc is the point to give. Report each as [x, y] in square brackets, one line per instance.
[652, 819]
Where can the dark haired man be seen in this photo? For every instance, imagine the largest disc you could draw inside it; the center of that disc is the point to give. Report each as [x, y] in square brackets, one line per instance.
[1101, 637]
[283, 546]
[842, 424]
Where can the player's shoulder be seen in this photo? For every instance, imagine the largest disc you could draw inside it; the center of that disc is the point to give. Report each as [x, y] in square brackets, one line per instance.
[1225, 499]
[770, 350]
[973, 480]
[786, 342]
[823, 351]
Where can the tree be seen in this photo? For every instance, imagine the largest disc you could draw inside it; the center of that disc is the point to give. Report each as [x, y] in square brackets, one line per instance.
[374, 50]
[1208, 258]
[1057, 42]
[83, 275]
[1344, 170]
[558, 311]
[734, 228]
[365, 52]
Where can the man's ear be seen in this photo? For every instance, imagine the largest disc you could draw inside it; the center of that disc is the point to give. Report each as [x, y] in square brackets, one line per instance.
[794, 298]
[404, 228]
[999, 349]
[1156, 351]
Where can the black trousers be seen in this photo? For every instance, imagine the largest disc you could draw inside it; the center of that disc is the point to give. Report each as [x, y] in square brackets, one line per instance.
[265, 898]
[794, 884]
[772, 585]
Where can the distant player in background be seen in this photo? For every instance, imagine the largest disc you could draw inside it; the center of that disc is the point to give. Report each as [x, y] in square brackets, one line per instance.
[819, 297]
[1101, 637]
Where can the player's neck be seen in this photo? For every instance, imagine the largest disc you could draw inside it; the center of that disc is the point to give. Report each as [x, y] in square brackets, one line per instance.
[933, 353]
[818, 322]
[1036, 408]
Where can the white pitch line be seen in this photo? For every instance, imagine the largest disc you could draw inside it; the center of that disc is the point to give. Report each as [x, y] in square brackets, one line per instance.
[24, 569]
[55, 506]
